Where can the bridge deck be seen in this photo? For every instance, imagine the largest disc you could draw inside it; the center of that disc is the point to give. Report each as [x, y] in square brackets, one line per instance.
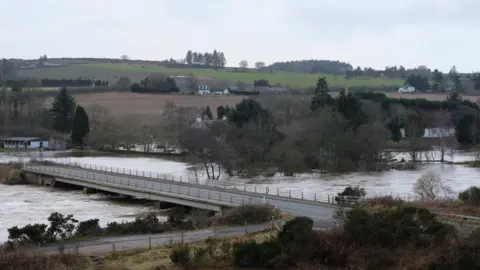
[206, 196]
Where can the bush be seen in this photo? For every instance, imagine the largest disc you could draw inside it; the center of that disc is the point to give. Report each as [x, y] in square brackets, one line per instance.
[350, 195]
[90, 228]
[297, 238]
[251, 254]
[394, 228]
[373, 259]
[15, 177]
[50, 262]
[29, 234]
[181, 257]
[177, 215]
[471, 196]
[249, 213]
[148, 224]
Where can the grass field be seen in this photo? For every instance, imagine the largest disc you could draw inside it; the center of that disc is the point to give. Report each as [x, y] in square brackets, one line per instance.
[112, 72]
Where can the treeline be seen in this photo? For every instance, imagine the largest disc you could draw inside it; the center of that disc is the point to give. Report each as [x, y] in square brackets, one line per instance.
[313, 66]
[349, 132]
[79, 82]
[214, 59]
[155, 84]
[418, 103]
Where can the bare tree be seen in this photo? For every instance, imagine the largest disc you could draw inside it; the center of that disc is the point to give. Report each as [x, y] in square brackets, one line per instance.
[372, 138]
[431, 186]
[327, 139]
[443, 131]
[414, 132]
[259, 64]
[105, 134]
[243, 64]
[129, 130]
[286, 108]
[95, 114]
[192, 83]
[203, 144]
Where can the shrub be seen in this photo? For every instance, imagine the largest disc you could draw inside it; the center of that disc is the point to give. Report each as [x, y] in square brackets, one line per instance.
[50, 262]
[373, 259]
[148, 224]
[177, 215]
[297, 238]
[15, 177]
[251, 254]
[393, 228]
[89, 228]
[470, 196]
[29, 234]
[350, 195]
[249, 213]
[181, 257]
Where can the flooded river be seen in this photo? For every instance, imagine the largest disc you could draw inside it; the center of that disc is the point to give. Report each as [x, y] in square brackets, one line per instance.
[28, 204]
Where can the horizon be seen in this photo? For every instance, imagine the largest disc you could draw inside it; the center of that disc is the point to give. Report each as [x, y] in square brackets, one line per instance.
[367, 34]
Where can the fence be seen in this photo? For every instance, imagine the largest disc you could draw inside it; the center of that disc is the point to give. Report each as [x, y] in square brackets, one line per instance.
[180, 185]
[102, 246]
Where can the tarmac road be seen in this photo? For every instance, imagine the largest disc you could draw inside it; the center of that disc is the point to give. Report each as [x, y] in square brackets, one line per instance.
[102, 246]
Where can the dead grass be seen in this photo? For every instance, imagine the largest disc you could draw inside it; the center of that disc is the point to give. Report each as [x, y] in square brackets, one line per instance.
[14, 261]
[159, 258]
[449, 206]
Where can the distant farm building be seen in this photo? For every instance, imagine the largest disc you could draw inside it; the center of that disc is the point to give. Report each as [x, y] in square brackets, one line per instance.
[204, 89]
[24, 142]
[431, 133]
[406, 89]
[271, 89]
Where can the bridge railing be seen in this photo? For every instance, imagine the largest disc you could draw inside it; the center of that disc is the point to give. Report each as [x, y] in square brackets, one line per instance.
[155, 178]
[148, 186]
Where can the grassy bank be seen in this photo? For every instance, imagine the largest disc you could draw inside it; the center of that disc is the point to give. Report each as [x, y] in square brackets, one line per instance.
[111, 72]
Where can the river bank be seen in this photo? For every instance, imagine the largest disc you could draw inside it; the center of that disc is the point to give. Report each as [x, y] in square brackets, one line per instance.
[33, 204]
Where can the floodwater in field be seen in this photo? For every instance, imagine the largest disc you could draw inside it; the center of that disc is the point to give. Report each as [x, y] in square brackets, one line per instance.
[27, 204]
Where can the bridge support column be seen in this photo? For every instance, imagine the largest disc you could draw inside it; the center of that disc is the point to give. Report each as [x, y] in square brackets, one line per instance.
[85, 190]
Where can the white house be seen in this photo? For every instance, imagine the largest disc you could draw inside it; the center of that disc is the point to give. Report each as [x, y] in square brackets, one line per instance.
[24, 142]
[431, 133]
[203, 89]
[406, 89]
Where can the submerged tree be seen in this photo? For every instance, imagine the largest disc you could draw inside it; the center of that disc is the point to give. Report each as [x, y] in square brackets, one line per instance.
[63, 109]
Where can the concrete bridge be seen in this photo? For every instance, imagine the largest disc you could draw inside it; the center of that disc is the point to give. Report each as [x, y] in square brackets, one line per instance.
[210, 195]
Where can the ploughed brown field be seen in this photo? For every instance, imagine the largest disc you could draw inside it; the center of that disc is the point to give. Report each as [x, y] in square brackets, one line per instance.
[151, 106]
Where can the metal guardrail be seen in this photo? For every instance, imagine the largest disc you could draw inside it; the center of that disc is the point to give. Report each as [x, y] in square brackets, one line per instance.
[155, 180]
[199, 192]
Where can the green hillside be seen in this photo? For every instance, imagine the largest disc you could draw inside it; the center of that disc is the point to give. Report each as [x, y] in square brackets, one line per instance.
[112, 72]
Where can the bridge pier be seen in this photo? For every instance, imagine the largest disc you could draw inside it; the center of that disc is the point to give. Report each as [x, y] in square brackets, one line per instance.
[48, 180]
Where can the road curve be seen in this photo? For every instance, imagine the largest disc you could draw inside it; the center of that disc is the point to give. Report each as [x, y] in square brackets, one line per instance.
[102, 246]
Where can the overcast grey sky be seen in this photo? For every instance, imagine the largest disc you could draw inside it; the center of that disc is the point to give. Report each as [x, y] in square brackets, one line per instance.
[376, 33]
